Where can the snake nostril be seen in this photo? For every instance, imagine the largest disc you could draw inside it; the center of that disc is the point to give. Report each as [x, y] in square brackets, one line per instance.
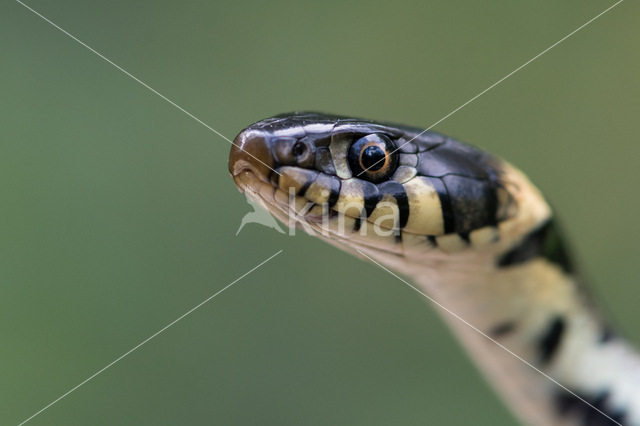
[299, 149]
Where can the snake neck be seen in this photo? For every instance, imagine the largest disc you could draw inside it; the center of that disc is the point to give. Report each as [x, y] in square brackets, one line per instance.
[525, 300]
[540, 314]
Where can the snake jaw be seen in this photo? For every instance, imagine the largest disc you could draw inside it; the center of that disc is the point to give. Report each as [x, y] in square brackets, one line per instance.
[296, 211]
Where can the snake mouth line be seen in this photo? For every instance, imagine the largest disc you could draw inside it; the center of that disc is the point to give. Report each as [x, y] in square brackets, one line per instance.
[326, 221]
[349, 226]
[280, 202]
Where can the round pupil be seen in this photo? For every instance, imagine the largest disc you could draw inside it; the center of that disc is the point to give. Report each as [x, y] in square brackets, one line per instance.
[372, 158]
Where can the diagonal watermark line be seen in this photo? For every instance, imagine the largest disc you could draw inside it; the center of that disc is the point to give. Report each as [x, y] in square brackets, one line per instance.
[496, 83]
[149, 338]
[143, 83]
[485, 335]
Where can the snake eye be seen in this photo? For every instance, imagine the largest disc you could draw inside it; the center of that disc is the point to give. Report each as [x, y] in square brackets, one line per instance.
[373, 158]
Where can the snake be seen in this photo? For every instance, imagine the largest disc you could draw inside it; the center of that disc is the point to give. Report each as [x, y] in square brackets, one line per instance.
[470, 231]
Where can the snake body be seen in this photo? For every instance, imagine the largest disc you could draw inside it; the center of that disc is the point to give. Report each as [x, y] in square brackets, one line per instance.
[469, 230]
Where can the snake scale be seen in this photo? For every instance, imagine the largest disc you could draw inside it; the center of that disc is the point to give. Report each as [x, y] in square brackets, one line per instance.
[468, 229]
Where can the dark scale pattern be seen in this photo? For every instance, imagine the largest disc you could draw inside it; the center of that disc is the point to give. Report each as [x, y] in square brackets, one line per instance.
[331, 182]
[454, 158]
[473, 202]
[570, 406]
[357, 224]
[335, 191]
[470, 178]
[371, 196]
[545, 242]
[411, 143]
[551, 340]
[503, 329]
[306, 185]
[398, 236]
[554, 249]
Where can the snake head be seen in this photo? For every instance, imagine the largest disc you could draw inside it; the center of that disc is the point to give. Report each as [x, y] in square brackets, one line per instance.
[386, 186]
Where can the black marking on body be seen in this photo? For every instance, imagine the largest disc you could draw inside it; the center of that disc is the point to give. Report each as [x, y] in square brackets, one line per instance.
[416, 141]
[426, 141]
[432, 240]
[456, 158]
[398, 235]
[465, 237]
[303, 188]
[336, 184]
[545, 242]
[370, 194]
[503, 329]
[570, 406]
[550, 341]
[357, 224]
[445, 202]
[471, 178]
[555, 250]
[397, 191]
[473, 201]
[451, 158]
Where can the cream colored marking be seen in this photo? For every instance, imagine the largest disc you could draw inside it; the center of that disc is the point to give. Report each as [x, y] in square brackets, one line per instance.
[386, 208]
[410, 160]
[320, 190]
[339, 148]
[404, 174]
[451, 243]
[351, 199]
[425, 210]
[342, 226]
[506, 206]
[295, 177]
[482, 237]
[301, 205]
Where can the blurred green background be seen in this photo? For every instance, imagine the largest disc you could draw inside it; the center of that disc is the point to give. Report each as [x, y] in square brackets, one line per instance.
[118, 214]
